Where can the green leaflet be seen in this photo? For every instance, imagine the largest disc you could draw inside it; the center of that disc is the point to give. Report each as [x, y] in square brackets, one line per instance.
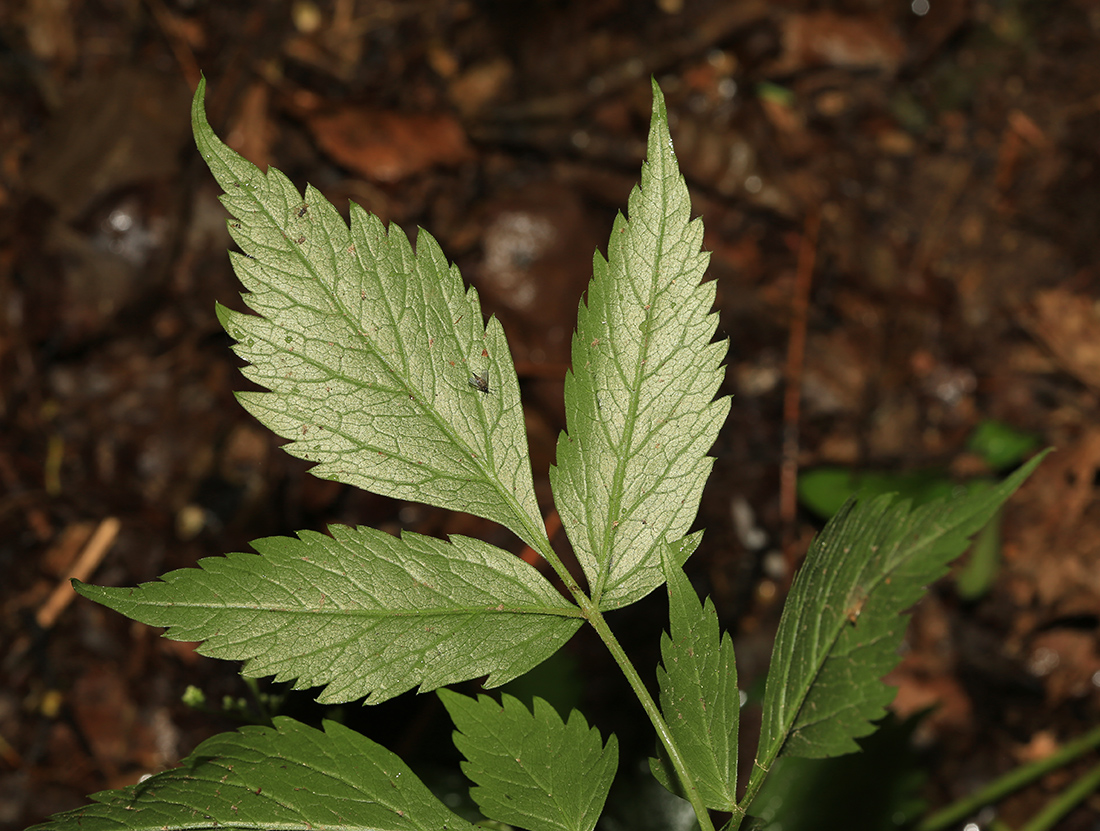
[533, 771]
[368, 350]
[699, 695]
[639, 397]
[290, 777]
[361, 612]
[842, 621]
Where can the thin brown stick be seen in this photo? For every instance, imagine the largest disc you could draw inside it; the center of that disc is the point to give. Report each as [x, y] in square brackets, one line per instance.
[796, 354]
[82, 569]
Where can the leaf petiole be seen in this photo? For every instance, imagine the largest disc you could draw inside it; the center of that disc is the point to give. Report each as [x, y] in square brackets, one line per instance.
[591, 612]
[599, 623]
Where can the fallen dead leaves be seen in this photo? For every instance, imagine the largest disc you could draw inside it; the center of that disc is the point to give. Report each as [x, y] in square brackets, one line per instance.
[388, 146]
[1068, 324]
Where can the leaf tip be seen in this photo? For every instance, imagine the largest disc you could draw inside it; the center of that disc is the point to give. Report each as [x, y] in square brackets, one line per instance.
[198, 107]
[658, 94]
[225, 316]
[660, 115]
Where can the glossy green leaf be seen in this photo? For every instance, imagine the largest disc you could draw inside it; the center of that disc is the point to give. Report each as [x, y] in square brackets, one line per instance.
[532, 770]
[290, 777]
[361, 612]
[640, 408]
[842, 622]
[370, 351]
[699, 696]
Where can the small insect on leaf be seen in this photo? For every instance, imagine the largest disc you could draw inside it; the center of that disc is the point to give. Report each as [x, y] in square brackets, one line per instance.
[480, 382]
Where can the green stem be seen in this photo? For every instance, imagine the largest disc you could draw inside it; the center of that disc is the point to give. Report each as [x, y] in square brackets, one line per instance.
[257, 697]
[1065, 802]
[1011, 781]
[546, 551]
[592, 614]
[756, 781]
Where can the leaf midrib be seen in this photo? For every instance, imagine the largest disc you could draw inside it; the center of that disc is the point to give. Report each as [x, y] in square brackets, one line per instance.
[624, 457]
[566, 611]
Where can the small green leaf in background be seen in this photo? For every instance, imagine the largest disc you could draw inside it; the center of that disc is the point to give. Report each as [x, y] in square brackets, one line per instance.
[362, 612]
[533, 771]
[842, 622]
[1000, 445]
[290, 777]
[982, 563]
[639, 398]
[824, 490]
[699, 695]
[367, 349]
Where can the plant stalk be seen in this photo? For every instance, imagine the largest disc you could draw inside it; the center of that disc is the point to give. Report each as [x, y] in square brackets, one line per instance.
[1011, 781]
[1065, 802]
[594, 617]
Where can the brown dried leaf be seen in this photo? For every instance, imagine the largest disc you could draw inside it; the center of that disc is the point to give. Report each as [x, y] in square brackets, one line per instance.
[1052, 539]
[389, 146]
[828, 39]
[1069, 326]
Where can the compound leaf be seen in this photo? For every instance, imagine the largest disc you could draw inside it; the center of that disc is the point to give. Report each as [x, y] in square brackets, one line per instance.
[842, 622]
[378, 365]
[699, 696]
[640, 408]
[363, 612]
[533, 771]
[290, 777]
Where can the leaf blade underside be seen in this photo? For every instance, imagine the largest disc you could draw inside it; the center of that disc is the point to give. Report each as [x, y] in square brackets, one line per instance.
[362, 613]
[288, 777]
[367, 350]
[640, 409]
[532, 770]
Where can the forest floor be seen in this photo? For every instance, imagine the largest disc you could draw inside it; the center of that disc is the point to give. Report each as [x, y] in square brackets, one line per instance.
[912, 193]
